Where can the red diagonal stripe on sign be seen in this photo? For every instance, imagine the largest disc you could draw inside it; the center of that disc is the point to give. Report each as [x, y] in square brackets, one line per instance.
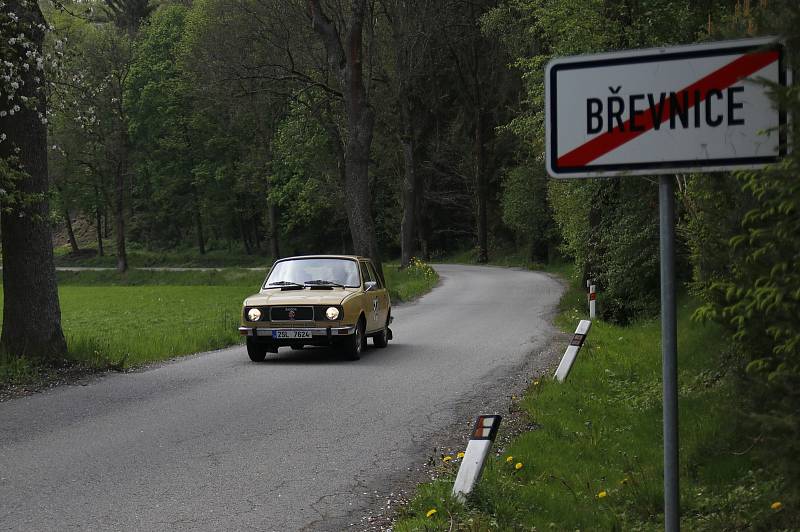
[720, 79]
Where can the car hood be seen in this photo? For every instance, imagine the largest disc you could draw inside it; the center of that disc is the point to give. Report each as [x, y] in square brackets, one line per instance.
[300, 297]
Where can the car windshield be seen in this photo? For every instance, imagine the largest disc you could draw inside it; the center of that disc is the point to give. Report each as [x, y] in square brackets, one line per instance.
[319, 272]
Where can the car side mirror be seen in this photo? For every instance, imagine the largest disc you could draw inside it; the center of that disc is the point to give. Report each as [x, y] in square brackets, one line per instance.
[370, 285]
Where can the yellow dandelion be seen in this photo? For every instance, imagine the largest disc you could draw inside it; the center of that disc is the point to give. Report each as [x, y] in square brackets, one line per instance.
[460, 455]
[536, 383]
[777, 505]
[602, 495]
[518, 466]
[509, 458]
[431, 512]
[447, 458]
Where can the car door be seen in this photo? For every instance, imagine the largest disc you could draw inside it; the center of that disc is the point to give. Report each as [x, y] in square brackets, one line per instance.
[369, 300]
[380, 300]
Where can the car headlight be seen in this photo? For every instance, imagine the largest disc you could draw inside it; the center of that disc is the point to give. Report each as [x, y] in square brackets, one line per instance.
[332, 313]
[253, 314]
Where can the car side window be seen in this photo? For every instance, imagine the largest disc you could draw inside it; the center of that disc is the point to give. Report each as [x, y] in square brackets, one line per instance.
[365, 273]
[374, 274]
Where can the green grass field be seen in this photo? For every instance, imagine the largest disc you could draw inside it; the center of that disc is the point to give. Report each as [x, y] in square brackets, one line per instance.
[122, 321]
[132, 325]
[594, 462]
[124, 326]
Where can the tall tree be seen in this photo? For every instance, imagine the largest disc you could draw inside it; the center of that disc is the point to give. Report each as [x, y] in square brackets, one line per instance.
[236, 108]
[412, 24]
[485, 88]
[127, 16]
[346, 64]
[91, 125]
[31, 310]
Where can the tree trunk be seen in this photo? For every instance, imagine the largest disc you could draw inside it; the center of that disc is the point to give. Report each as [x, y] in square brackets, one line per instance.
[245, 238]
[274, 247]
[423, 223]
[73, 244]
[481, 189]
[409, 222]
[256, 231]
[31, 310]
[356, 190]
[106, 224]
[99, 233]
[119, 215]
[345, 63]
[98, 217]
[198, 225]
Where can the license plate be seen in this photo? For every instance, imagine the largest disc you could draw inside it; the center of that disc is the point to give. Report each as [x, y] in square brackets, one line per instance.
[291, 334]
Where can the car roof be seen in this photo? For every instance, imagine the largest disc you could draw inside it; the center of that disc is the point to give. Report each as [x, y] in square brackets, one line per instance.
[348, 257]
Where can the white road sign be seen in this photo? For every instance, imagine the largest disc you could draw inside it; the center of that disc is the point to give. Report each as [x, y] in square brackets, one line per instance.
[664, 110]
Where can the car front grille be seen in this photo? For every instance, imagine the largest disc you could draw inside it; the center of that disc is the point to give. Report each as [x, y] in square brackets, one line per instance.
[292, 313]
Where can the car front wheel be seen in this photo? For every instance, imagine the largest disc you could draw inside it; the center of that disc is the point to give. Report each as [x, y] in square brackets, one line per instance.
[357, 342]
[256, 352]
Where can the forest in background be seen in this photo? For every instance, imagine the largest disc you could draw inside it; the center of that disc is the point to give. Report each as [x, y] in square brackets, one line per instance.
[402, 128]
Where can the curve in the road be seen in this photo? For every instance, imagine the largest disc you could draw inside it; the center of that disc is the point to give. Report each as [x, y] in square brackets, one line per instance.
[215, 442]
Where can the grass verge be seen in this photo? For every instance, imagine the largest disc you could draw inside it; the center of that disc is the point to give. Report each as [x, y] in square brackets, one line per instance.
[594, 460]
[411, 282]
[121, 321]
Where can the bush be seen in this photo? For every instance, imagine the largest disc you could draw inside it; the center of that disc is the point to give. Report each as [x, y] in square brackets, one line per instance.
[611, 228]
[758, 297]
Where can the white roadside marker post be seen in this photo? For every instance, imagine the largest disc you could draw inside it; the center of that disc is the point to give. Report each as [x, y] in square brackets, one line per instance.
[572, 350]
[592, 301]
[477, 449]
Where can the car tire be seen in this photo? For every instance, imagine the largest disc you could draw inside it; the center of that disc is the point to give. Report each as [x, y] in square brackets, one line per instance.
[357, 342]
[382, 338]
[256, 352]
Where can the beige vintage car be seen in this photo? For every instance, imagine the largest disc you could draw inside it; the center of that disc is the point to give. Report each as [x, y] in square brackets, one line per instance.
[332, 300]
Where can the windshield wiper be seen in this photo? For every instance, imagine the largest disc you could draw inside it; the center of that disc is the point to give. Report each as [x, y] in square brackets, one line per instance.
[285, 283]
[324, 283]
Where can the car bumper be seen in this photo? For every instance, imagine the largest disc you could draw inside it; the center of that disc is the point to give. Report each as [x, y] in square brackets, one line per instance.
[325, 332]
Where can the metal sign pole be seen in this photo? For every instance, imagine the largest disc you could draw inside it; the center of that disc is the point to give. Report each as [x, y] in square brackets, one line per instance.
[669, 352]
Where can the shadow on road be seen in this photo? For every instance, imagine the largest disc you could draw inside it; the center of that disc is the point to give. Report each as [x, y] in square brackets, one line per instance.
[326, 356]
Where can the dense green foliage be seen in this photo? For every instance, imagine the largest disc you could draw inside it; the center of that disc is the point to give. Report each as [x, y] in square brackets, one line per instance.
[756, 296]
[738, 234]
[198, 136]
[609, 227]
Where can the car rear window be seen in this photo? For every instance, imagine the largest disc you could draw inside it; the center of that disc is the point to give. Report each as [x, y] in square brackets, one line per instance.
[374, 275]
[365, 273]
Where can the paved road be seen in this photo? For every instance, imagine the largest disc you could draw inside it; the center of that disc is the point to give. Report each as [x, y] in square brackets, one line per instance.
[215, 442]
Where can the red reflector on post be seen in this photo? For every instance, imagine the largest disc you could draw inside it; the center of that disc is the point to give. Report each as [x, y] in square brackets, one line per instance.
[486, 428]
